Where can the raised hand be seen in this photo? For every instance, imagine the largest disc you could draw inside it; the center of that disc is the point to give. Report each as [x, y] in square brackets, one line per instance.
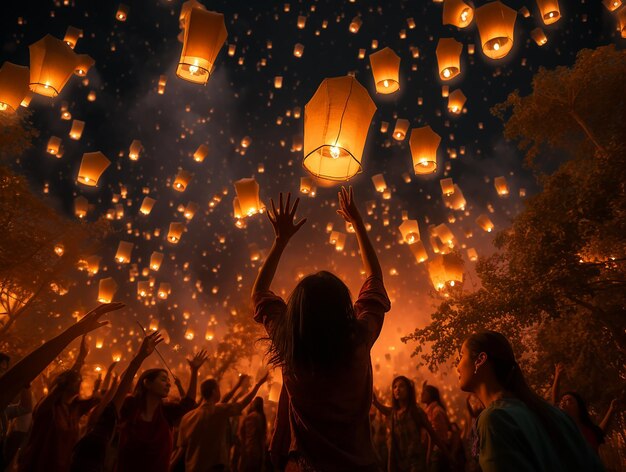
[347, 206]
[196, 361]
[559, 369]
[84, 349]
[283, 219]
[91, 320]
[149, 343]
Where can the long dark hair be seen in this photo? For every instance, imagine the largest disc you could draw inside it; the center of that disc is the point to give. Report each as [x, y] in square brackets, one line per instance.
[433, 393]
[410, 387]
[149, 375]
[257, 407]
[583, 416]
[319, 327]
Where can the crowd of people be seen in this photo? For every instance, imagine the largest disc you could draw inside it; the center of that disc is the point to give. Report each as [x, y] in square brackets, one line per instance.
[328, 417]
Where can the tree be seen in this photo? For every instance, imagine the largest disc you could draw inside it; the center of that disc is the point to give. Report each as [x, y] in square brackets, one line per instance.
[556, 285]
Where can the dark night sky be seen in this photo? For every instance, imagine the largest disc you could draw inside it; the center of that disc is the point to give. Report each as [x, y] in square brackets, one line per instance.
[240, 100]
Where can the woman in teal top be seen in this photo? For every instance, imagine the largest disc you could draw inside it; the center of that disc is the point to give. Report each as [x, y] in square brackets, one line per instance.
[518, 431]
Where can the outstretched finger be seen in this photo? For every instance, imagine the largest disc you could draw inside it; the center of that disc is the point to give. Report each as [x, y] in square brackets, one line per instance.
[292, 213]
[280, 203]
[351, 194]
[299, 224]
[270, 217]
[287, 203]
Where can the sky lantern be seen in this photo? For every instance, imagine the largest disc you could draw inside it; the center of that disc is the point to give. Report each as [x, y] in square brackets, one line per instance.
[301, 22]
[410, 231]
[76, 130]
[190, 210]
[355, 24]
[181, 181]
[401, 129]
[81, 206]
[539, 36]
[472, 255]
[278, 81]
[449, 58]
[456, 100]
[446, 270]
[496, 24]
[92, 167]
[143, 288]
[338, 239]
[621, 18]
[201, 153]
[457, 13]
[501, 186]
[419, 251]
[165, 289]
[52, 63]
[455, 201]
[175, 232]
[248, 196]
[336, 122]
[298, 50]
[424, 143]
[134, 150]
[612, 5]
[156, 259]
[14, 81]
[445, 235]
[307, 186]
[205, 33]
[379, 182]
[549, 10]
[146, 205]
[161, 84]
[54, 145]
[106, 290]
[485, 223]
[122, 12]
[124, 249]
[386, 70]
[447, 186]
[84, 62]
[72, 35]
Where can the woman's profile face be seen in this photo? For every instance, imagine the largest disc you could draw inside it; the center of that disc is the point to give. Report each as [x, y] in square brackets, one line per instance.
[160, 386]
[569, 405]
[465, 369]
[400, 390]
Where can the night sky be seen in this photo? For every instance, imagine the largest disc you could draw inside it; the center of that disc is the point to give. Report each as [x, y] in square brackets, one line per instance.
[210, 269]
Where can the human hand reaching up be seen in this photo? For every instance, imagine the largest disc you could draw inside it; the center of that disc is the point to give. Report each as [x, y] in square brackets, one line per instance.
[347, 206]
[91, 320]
[282, 219]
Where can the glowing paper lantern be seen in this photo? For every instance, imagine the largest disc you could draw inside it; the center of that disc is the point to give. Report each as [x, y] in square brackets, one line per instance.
[410, 231]
[424, 143]
[400, 130]
[146, 205]
[621, 18]
[446, 270]
[77, 129]
[175, 232]
[549, 10]
[164, 290]
[612, 5]
[355, 24]
[156, 259]
[501, 186]
[134, 150]
[84, 62]
[449, 58]
[298, 50]
[161, 85]
[122, 12]
[185, 9]
[485, 223]
[379, 182]
[92, 166]
[336, 122]
[386, 70]
[539, 36]
[472, 255]
[445, 235]
[13, 86]
[248, 196]
[338, 239]
[419, 251]
[143, 288]
[190, 210]
[301, 22]
[205, 33]
[447, 186]
[181, 181]
[457, 13]
[52, 63]
[72, 35]
[54, 145]
[278, 82]
[456, 100]
[81, 206]
[201, 153]
[496, 24]
[124, 250]
[456, 200]
[106, 290]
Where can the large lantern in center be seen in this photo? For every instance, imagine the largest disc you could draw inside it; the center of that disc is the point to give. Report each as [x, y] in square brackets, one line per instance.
[424, 143]
[205, 33]
[52, 63]
[92, 166]
[386, 70]
[496, 24]
[336, 122]
[13, 86]
[449, 58]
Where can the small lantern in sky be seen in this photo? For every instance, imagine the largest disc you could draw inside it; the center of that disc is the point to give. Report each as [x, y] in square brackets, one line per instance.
[447, 186]
[175, 232]
[161, 84]
[205, 33]
[81, 206]
[472, 255]
[379, 182]
[77, 129]
[456, 100]
[424, 143]
[84, 62]
[106, 290]
[539, 36]
[156, 259]
[54, 145]
[485, 223]
[247, 191]
[446, 270]
[122, 12]
[181, 181]
[298, 50]
[123, 253]
[612, 5]
[355, 24]
[134, 150]
[52, 63]
[146, 205]
[92, 166]
[455, 201]
[386, 70]
[336, 123]
[449, 58]
[410, 231]
[501, 186]
[457, 13]
[201, 153]
[401, 129]
[419, 251]
[14, 88]
[72, 35]
[496, 25]
[549, 10]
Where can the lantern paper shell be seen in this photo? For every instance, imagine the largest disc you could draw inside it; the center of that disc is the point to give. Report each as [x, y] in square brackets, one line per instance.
[379, 182]
[306, 185]
[72, 36]
[124, 250]
[181, 181]
[248, 196]
[355, 24]
[52, 63]
[621, 18]
[472, 255]
[175, 232]
[400, 130]
[156, 259]
[298, 50]
[457, 13]
[447, 186]
[54, 145]
[496, 25]
[205, 33]
[164, 290]
[134, 150]
[549, 10]
[455, 201]
[410, 231]
[386, 70]
[539, 36]
[446, 271]
[612, 5]
[122, 12]
[456, 100]
[147, 205]
[14, 81]
[485, 223]
[92, 166]
[424, 143]
[336, 123]
[161, 85]
[445, 235]
[77, 129]
[185, 9]
[84, 62]
[501, 186]
[419, 251]
[106, 290]
[190, 210]
[81, 206]
[449, 58]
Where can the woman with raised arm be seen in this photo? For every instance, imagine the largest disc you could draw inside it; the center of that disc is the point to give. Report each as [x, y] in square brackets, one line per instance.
[322, 342]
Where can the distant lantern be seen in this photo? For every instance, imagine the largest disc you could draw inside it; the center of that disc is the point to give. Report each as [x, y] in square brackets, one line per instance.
[205, 33]
[539, 36]
[410, 231]
[379, 182]
[175, 232]
[449, 58]
[612, 5]
[301, 22]
[13, 86]
[419, 251]
[190, 210]
[147, 205]
[496, 24]
[525, 12]
[246, 141]
[457, 13]
[472, 255]
[424, 143]
[134, 150]
[77, 129]
[386, 70]
[143, 288]
[445, 235]
[549, 10]
[456, 100]
[124, 250]
[164, 290]
[54, 145]
[92, 166]
[122, 12]
[307, 186]
[336, 122]
[455, 201]
[501, 186]
[621, 18]
[446, 270]
[447, 186]
[72, 36]
[106, 290]
[278, 81]
[181, 181]
[84, 62]
[339, 240]
[52, 63]
[81, 206]
[355, 24]
[400, 130]
[156, 259]
[201, 153]
[92, 263]
[248, 196]
[485, 223]
[161, 84]
[298, 50]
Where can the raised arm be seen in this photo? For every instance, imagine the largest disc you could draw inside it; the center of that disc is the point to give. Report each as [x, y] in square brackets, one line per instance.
[384, 409]
[604, 424]
[558, 372]
[350, 213]
[229, 395]
[25, 371]
[194, 365]
[282, 220]
[250, 396]
[104, 386]
[82, 355]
